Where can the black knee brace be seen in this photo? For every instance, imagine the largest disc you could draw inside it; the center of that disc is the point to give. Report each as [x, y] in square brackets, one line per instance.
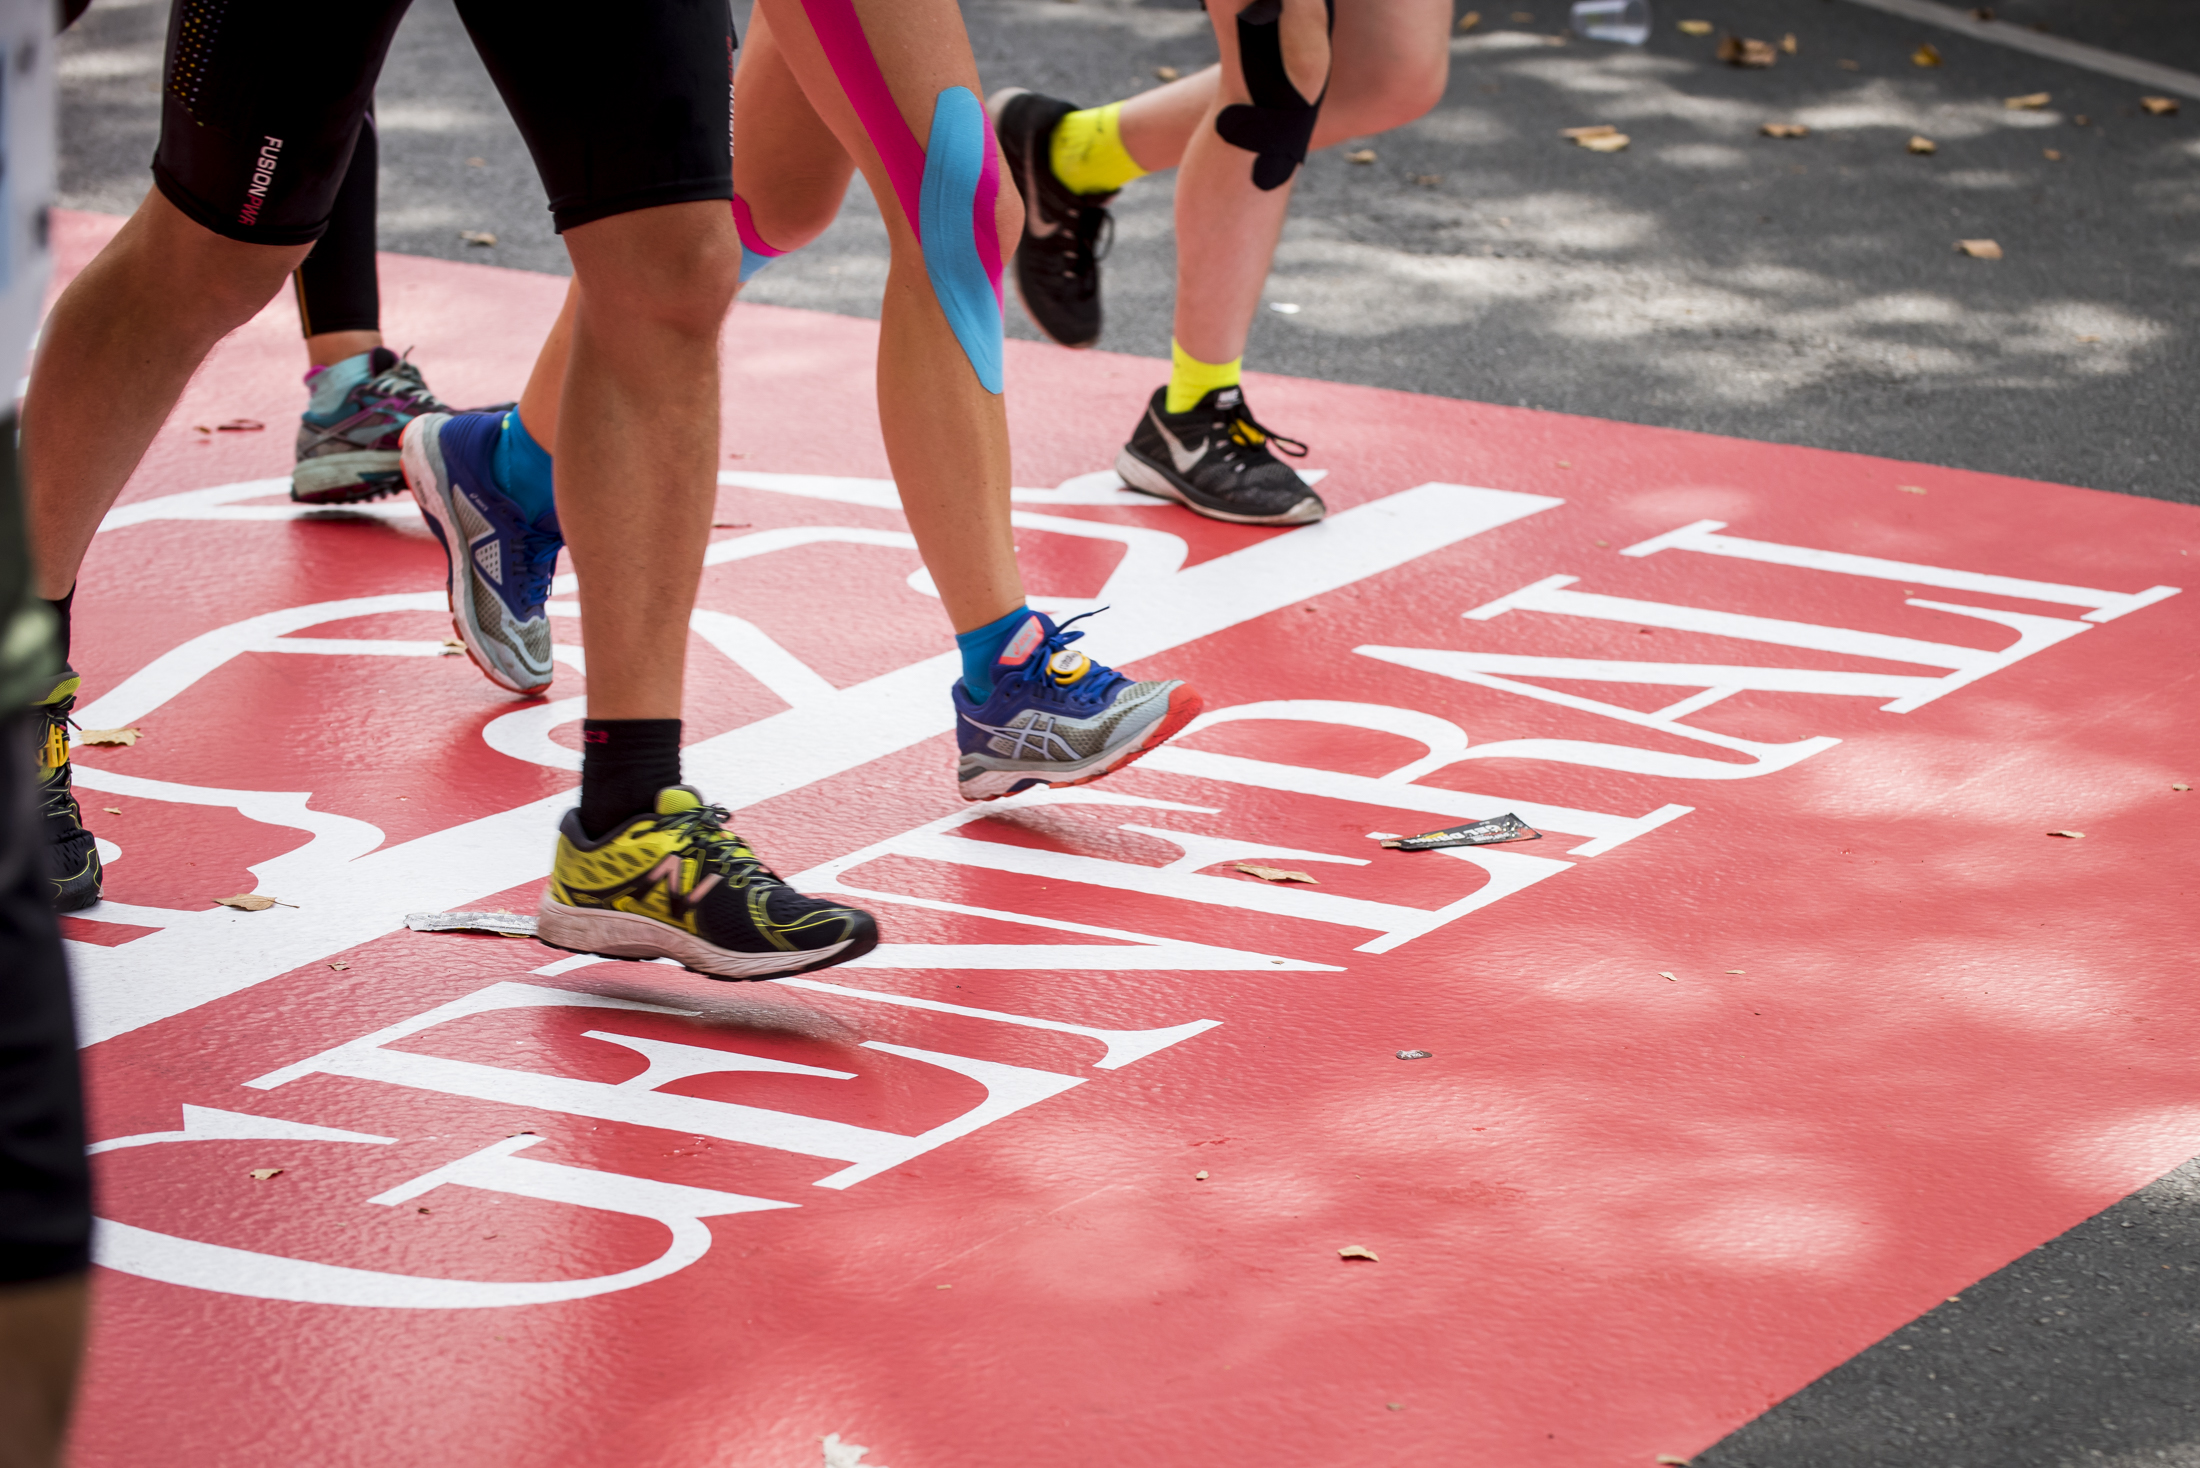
[1280, 124]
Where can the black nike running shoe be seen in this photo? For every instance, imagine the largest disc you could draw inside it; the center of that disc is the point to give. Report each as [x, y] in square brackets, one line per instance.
[72, 857]
[1066, 235]
[1216, 459]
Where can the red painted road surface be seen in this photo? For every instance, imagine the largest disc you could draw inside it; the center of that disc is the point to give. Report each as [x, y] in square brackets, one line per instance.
[1796, 1022]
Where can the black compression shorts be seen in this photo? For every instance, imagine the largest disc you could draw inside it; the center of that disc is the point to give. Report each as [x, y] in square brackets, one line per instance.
[624, 106]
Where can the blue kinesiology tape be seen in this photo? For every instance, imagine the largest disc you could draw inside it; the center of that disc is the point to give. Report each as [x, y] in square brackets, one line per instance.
[954, 168]
[752, 264]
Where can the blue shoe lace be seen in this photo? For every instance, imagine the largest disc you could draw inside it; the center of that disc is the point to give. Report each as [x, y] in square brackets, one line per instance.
[1034, 678]
[538, 550]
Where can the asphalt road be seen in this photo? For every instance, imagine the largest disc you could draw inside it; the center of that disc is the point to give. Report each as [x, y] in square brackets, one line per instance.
[1803, 291]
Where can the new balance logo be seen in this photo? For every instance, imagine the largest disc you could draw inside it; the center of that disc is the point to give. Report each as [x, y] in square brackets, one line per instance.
[489, 556]
[669, 874]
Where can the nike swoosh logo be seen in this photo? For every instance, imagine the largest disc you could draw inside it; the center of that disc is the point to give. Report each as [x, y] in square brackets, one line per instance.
[1184, 458]
[1036, 223]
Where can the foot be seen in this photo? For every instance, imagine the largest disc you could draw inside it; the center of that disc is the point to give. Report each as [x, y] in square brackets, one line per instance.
[71, 856]
[1059, 718]
[676, 884]
[1217, 460]
[1066, 234]
[350, 454]
[500, 564]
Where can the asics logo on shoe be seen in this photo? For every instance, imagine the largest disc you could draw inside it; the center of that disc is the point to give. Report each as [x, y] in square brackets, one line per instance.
[489, 556]
[1035, 740]
[1183, 457]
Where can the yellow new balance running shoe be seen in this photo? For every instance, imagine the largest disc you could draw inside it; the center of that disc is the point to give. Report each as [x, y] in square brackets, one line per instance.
[676, 884]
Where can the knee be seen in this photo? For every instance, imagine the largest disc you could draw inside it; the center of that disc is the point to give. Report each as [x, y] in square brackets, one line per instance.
[675, 274]
[1405, 95]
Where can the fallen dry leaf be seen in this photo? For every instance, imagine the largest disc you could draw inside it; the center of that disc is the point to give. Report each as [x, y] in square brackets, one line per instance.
[1847, 65]
[2051, 155]
[1695, 27]
[1595, 130]
[2081, 120]
[477, 163]
[1166, 73]
[1667, 1460]
[1911, 488]
[1416, 1055]
[1200, 1176]
[339, 965]
[1604, 142]
[2029, 102]
[477, 237]
[2069, 835]
[1737, 971]
[1980, 249]
[1428, 180]
[113, 810]
[1788, 44]
[1664, 975]
[262, 1174]
[246, 902]
[2158, 106]
[1926, 54]
[1469, 21]
[1274, 874]
[1357, 1251]
[729, 524]
[1784, 130]
[1360, 155]
[123, 737]
[240, 425]
[1740, 51]
[1919, 143]
[2180, 787]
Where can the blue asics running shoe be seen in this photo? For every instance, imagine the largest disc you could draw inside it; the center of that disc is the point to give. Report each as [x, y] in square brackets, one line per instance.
[500, 564]
[349, 453]
[1056, 717]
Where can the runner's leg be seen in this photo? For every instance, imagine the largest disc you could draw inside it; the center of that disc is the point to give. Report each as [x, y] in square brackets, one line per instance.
[361, 394]
[627, 119]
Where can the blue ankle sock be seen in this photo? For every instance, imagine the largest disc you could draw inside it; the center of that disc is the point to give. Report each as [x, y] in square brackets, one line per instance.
[522, 471]
[982, 648]
[330, 383]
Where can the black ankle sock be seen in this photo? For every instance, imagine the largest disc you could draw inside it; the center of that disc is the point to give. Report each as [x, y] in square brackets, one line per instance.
[61, 611]
[624, 763]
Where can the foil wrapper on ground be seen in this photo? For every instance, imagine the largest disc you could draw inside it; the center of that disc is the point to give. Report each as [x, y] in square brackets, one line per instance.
[1492, 832]
[509, 924]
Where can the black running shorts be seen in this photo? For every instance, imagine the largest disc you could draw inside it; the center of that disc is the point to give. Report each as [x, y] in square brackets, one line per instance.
[625, 106]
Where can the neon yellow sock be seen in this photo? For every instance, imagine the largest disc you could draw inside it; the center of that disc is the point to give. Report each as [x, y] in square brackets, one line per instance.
[1088, 153]
[1191, 379]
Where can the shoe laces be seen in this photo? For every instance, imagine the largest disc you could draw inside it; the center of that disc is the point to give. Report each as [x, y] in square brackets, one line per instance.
[538, 554]
[1248, 439]
[399, 388]
[703, 835]
[1085, 682]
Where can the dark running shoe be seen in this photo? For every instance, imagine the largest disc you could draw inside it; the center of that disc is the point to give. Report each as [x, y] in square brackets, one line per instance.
[676, 884]
[1217, 460]
[1056, 717]
[350, 454]
[72, 857]
[1066, 235]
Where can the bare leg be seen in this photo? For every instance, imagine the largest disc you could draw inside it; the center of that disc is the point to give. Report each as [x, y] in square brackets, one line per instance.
[638, 443]
[946, 436]
[1390, 61]
[331, 347]
[41, 1343]
[116, 353]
